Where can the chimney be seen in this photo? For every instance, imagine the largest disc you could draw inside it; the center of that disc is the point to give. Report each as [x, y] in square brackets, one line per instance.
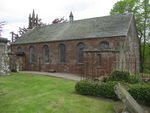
[71, 17]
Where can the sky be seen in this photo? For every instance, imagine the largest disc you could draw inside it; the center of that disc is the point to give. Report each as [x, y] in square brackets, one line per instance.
[15, 13]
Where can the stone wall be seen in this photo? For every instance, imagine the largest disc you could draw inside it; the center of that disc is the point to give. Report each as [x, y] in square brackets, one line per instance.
[4, 59]
[133, 43]
[71, 65]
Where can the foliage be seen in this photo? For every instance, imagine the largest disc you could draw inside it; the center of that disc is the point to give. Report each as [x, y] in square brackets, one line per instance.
[133, 79]
[23, 30]
[27, 93]
[141, 93]
[125, 77]
[147, 58]
[141, 10]
[87, 87]
[119, 76]
[59, 20]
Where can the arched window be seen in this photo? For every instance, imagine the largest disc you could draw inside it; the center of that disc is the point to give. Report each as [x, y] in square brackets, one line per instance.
[104, 45]
[19, 49]
[80, 48]
[62, 53]
[32, 54]
[45, 54]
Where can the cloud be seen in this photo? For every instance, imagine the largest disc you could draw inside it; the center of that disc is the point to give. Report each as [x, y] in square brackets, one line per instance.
[16, 12]
[77, 6]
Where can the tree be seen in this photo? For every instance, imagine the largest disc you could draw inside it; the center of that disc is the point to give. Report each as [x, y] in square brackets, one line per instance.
[40, 23]
[141, 10]
[1, 27]
[59, 20]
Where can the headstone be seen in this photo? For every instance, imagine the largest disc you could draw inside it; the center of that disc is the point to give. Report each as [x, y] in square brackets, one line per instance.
[131, 106]
[4, 59]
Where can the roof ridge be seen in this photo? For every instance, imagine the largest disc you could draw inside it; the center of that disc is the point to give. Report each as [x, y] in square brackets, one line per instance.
[126, 14]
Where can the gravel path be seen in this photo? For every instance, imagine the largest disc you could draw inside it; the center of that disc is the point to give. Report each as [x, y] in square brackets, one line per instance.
[68, 76]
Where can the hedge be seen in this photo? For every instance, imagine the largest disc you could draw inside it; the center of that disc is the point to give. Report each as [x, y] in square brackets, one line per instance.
[140, 92]
[87, 87]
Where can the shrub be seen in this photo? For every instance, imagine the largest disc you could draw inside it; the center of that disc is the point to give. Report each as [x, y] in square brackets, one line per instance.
[119, 76]
[133, 79]
[141, 93]
[124, 76]
[87, 87]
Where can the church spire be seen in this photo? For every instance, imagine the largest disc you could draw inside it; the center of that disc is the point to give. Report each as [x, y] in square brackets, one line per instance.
[33, 20]
[71, 17]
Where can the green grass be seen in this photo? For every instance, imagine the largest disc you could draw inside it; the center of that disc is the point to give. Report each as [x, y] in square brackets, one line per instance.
[26, 93]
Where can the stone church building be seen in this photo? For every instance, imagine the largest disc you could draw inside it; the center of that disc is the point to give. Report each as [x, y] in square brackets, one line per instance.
[90, 47]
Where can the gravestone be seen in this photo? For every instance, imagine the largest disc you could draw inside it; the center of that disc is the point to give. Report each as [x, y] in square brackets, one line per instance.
[4, 59]
[131, 106]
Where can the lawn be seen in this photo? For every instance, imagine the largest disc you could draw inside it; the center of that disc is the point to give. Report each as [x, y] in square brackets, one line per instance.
[26, 93]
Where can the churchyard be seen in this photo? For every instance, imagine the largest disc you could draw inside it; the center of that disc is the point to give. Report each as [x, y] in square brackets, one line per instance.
[26, 93]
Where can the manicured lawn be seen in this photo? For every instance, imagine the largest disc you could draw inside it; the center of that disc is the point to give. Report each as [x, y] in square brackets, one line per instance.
[26, 93]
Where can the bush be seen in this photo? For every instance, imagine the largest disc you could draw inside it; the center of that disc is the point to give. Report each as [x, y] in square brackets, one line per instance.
[133, 79]
[124, 76]
[120, 76]
[141, 93]
[87, 87]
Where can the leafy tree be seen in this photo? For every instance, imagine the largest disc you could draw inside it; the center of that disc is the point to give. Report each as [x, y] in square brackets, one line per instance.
[40, 23]
[59, 20]
[141, 10]
[1, 26]
[23, 30]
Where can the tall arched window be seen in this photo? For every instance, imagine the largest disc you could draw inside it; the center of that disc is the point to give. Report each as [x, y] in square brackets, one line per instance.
[80, 48]
[104, 45]
[62, 53]
[45, 54]
[32, 54]
[19, 49]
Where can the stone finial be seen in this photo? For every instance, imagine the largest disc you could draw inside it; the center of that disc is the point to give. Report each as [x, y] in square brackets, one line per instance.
[36, 19]
[71, 17]
[30, 21]
[33, 14]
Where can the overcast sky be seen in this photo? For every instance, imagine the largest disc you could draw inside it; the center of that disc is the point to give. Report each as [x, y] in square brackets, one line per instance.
[15, 12]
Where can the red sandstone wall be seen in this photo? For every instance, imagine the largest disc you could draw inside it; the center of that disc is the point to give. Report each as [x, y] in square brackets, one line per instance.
[71, 65]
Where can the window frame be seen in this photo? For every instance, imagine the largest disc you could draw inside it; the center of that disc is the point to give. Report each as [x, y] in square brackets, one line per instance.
[32, 51]
[104, 45]
[80, 52]
[45, 53]
[62, 53]
[19, 49]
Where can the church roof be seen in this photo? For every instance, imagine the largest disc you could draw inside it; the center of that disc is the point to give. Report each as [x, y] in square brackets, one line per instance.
[99, 27]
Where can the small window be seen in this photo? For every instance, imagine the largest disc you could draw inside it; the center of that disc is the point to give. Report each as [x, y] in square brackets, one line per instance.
[104, 45]
[32, 54]
[62, 53]
[45, 54]
[19, 49]
[80, 48]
